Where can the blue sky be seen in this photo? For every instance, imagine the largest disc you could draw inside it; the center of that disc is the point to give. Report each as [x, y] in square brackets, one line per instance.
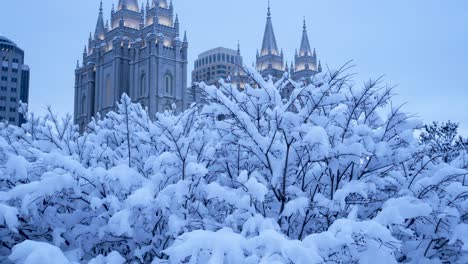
[419, 45]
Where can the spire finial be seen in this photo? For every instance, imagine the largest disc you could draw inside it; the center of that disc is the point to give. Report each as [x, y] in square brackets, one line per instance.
[238, 47]
[100, 8]
[304, 26]
[269, 10]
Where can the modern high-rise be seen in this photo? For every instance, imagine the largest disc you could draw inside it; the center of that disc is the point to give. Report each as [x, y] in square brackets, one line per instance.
[219, 63]
[270, 59]
[14, 81]
[138, 52]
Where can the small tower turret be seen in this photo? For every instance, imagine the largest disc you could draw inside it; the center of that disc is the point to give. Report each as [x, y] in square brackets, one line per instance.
[176, 24]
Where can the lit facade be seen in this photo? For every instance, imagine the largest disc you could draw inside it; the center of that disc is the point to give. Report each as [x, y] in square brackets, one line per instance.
[139, 53]
[14, 82]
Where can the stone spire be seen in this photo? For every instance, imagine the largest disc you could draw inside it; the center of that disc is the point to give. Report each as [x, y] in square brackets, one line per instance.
[128, 4]
[100, 28]
[305, 49]
[238, 48]
[269, 45]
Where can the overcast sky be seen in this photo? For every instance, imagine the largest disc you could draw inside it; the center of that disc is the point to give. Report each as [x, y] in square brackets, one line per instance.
[419, 45]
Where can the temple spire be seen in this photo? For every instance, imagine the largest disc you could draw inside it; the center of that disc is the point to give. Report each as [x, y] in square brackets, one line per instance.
[100, 28]
[305, 49]
[269, 45]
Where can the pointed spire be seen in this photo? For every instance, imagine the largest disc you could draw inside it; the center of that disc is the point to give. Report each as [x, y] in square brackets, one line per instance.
[113, 9]
[142, 9]
[320, 66]
[269, 45]
[185, 36]
[147, 4]
[100, 28]
[85, 50]
[107, 25]
[77, 64]
[176, 24]
[238, 47]
[286, 67]
[171, 5]
[292, 67]
[305, 49]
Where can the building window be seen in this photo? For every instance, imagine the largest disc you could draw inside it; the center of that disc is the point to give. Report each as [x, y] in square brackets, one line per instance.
[108, 96]
[13, 90]
[3, 88]
[12, 109]
[143, 84]
[15, 61]
[2, 98]
[169, 86]
[4, 69]
[83, 104]
[11, 119]
[13, 99]
[15, 80]
[2, 108]
[14, 70]
[4, 78]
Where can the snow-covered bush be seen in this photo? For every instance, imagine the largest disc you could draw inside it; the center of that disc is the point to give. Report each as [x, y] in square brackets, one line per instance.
[332, 173]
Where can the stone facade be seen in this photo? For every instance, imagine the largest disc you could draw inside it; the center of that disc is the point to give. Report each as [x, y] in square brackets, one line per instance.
[139, 53]
[14, 81]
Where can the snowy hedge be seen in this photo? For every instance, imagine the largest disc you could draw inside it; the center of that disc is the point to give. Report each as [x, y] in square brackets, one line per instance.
[332, 173]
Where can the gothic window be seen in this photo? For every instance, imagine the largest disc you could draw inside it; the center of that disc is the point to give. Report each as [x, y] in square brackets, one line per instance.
[143, 84]
[169, 85]
[83, 104]
[108, 92]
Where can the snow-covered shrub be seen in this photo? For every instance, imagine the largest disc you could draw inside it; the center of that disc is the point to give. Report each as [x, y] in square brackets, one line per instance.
[332, 173]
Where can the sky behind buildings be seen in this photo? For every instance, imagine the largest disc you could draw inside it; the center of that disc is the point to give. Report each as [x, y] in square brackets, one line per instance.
[419, 45]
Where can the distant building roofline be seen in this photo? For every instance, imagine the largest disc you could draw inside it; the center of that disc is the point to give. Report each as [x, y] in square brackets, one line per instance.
[217, 50]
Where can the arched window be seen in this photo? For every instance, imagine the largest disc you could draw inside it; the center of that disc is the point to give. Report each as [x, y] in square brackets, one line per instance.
[143, 85]
[83, 104]
[169, 86]
[108, 93]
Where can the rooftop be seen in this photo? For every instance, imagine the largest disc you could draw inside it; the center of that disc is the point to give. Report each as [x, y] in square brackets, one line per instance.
[6, 40]
[216, 51]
